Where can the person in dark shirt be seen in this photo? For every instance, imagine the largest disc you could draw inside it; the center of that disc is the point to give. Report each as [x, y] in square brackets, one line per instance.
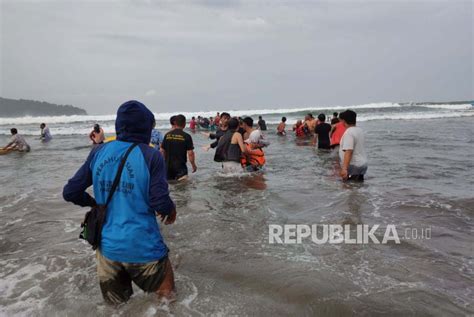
[322, 133]
[223, 120]
[176, 145]
[261, 124]
[334, 119]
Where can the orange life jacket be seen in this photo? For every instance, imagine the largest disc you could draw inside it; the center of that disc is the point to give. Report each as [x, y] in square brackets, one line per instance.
[257, 159]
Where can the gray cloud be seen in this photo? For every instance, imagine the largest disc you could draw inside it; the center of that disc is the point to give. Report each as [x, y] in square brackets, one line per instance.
[240, 54]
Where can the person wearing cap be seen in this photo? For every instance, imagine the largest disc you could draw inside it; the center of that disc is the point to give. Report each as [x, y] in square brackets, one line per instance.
[131, 248]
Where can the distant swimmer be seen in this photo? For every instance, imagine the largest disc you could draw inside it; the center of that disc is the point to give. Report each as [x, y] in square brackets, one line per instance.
[203, 122]
[177, 147]
[212, 124]
[262, 125]
[352, 149]
[321, 133]
[335, 118]
[156, 136]
[217, 119]
[17, 143]
[281, 127]
[192, 123]
[45, 134]
[97, 135]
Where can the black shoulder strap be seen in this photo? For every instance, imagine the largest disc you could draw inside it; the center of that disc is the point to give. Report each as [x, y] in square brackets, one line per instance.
[119, 173]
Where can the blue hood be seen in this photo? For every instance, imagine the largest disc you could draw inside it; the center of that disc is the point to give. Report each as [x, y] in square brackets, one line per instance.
[134, 122]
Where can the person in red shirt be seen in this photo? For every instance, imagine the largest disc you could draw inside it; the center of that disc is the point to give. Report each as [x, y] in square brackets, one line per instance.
[192, 123]
[299, 129]
[217, 120]
[337, 131]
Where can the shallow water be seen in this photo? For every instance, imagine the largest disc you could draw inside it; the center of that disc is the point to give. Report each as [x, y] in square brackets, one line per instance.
[420, 175]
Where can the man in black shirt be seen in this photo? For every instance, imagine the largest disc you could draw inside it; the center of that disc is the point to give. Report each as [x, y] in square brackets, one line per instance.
[322, 132]
[176, 145]
[221, 130]
[261, 123]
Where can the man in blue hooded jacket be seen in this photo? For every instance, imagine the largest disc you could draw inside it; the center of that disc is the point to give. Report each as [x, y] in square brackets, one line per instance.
[131, 247]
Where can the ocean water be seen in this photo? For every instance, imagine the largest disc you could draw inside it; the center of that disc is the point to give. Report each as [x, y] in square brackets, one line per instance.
[420, 176]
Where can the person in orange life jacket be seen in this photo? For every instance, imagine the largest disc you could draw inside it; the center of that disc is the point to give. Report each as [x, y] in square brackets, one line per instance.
[230, 148]
[299, 129]
[254, 141]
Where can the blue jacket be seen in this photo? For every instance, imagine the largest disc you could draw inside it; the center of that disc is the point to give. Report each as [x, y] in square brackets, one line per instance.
[131, 232]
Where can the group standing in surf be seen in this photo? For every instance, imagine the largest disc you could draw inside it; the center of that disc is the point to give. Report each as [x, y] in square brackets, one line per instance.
[238, 142]
[130, 176]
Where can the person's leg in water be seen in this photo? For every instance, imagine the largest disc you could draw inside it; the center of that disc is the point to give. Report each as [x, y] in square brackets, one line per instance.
[156, 277]
[115, 283]
[167, 289]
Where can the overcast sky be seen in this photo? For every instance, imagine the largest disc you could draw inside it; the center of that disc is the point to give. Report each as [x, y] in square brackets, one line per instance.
[206, 55]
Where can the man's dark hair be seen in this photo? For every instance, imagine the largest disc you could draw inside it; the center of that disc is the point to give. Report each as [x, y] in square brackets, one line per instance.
[260, 117]
[233, 124]
[42, 125]
[13, 131]
[310, 115]
[173, 120]
[335, 114]
[180, 121]
[348, 116]
[225, 114]
[322, 117]
[193, 118]
[248, 121]
[283, 119]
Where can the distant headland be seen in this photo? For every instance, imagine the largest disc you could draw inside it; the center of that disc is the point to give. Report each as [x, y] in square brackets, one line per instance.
[20, 108]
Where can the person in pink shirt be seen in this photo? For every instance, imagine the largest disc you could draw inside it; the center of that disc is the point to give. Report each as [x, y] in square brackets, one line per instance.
[192, 123]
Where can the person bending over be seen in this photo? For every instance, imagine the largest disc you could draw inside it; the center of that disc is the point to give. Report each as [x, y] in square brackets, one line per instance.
[17, 143]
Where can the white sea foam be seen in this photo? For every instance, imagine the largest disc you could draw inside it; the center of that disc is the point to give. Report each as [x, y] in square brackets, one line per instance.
[167, 115]
[449, 107]
[82, 125]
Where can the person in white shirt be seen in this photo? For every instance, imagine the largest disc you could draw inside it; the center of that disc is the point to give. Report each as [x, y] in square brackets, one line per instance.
[352, 149]
[17, 143]
[45, 134]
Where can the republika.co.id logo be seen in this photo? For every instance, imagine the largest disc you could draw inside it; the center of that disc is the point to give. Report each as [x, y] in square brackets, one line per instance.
[347, 234]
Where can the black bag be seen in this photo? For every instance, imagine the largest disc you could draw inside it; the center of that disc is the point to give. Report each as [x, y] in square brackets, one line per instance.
[94, 219]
